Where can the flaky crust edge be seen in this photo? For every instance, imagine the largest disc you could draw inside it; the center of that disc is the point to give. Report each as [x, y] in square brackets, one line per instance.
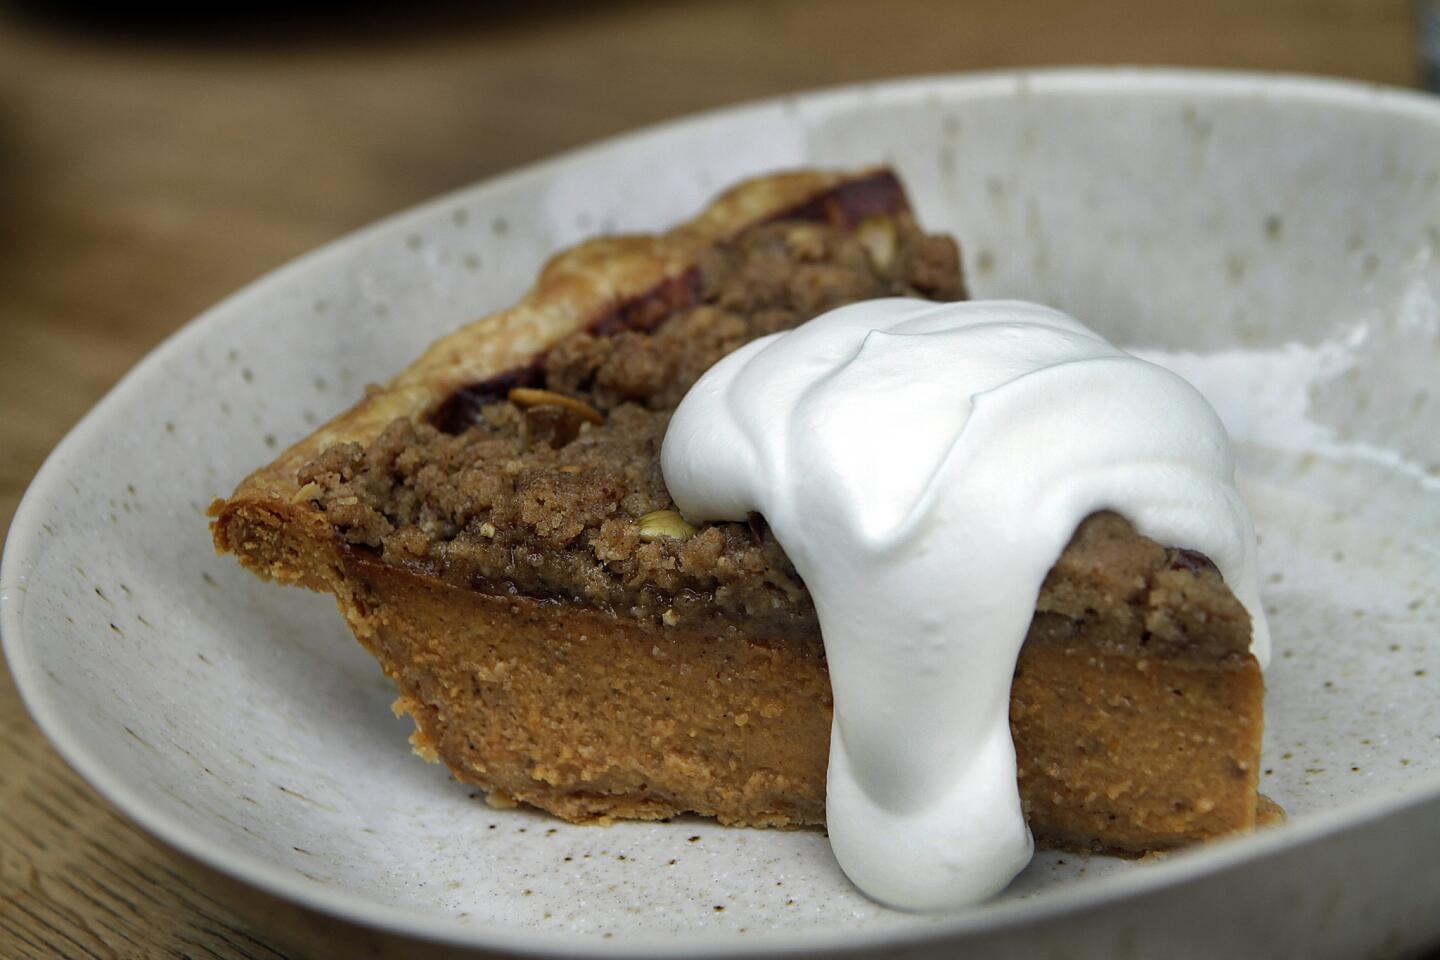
[268, 521]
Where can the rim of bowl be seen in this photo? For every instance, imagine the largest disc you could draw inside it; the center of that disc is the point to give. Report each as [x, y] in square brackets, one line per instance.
[1130, 81]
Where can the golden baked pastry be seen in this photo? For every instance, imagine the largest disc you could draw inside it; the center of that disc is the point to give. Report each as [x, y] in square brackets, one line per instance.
[495, 529]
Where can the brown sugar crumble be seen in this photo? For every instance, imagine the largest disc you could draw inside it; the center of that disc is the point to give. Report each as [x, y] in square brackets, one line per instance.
[537, 499]
[502, 508]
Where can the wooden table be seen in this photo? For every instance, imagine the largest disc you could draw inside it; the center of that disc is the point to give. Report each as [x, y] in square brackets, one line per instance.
[146, 170]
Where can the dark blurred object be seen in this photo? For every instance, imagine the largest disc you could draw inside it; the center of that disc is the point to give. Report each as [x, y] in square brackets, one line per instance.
[273, 22]
[1427, 32]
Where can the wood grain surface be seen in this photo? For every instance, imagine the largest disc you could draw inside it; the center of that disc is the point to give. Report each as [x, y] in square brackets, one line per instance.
[148, 167]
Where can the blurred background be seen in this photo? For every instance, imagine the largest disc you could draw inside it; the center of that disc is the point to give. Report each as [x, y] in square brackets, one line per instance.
[151, 163]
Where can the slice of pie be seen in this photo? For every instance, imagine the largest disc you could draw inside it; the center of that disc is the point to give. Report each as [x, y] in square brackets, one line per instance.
[495, 528]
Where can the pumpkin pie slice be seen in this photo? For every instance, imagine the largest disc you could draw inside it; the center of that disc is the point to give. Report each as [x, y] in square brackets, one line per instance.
[495, 528]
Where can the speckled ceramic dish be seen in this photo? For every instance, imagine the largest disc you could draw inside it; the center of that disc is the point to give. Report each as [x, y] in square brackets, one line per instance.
[1275, 239]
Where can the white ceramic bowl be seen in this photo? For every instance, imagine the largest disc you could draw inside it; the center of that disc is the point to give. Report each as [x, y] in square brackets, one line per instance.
[1274, 238]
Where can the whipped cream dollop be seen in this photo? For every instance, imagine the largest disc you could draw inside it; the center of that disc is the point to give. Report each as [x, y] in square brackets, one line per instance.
[924, 465]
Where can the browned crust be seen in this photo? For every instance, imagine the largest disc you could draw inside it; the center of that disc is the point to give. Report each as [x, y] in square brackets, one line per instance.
[581, 287]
